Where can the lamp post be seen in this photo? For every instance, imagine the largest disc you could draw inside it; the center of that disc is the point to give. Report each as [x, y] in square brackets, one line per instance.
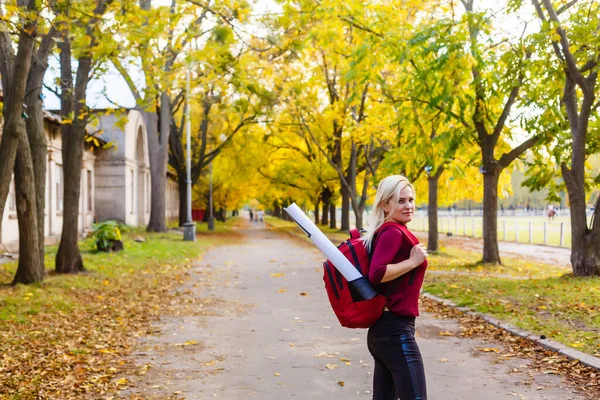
[189, 228]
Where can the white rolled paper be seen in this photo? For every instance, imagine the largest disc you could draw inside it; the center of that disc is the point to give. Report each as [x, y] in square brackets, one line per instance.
[340, 262]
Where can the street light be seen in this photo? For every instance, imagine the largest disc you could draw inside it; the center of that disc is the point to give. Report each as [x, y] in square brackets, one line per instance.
[189, 228]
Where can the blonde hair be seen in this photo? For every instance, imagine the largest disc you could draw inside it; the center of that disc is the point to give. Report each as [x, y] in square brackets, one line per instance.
[388, 191]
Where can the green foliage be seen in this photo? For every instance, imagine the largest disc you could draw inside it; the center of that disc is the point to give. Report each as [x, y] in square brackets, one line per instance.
[105, 233]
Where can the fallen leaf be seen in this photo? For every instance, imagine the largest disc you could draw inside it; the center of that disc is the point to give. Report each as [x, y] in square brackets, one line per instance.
[331, 366]
[490, 349]
[341, 383]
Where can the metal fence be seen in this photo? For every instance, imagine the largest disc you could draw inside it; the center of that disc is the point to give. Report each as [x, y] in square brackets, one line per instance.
[518, 229]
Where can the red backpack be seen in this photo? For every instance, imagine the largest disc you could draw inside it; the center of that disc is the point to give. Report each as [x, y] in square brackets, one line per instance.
[350, 308]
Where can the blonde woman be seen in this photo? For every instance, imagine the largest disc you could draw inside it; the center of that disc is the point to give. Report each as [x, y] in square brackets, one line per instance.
[397, 269]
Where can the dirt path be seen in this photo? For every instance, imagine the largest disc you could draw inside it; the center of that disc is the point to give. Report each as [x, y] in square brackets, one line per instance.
[257, 324]
[560, 256]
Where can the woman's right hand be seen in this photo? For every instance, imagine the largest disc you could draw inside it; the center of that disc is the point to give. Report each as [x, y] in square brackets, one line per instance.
[418, 254]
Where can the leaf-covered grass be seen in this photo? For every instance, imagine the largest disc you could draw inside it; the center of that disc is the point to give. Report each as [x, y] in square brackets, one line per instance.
[454, 259]
[68, 336]
[563, 308]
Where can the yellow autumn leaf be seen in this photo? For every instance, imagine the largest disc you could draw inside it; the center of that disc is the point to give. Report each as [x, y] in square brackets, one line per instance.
[490, 349]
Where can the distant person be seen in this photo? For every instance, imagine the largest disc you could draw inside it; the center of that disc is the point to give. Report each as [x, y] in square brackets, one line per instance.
[251, 216]
[261, 215]
[551, 212]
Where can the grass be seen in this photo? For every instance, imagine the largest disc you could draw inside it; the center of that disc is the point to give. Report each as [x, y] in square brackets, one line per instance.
[75, 330]
[452, 259]
[547, 300]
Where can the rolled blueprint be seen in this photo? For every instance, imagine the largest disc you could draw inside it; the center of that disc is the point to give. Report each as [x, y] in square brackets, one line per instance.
[339, 261]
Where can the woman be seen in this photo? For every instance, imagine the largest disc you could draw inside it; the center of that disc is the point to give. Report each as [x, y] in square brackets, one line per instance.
[397, 268]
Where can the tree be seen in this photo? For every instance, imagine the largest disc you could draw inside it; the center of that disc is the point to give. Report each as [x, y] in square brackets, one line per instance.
[498, 69]
[15, 145]
[427, 141]
[86, 48]
[162, 26]
[226, 98]
[340, 118]
[37, 135]
[571, 32]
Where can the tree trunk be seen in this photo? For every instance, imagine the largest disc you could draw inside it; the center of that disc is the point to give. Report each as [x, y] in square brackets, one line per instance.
[432, 213]
[158, 175]
[39, 151]
[181, 181]
[276, 210]
[332, 223]
[317, 206]
[585, 248]
[68, 258]
[345, 223]
[359, 217]
[585, 245]
[31, 265]
[491, 254]
[326, 200]
[14, 73]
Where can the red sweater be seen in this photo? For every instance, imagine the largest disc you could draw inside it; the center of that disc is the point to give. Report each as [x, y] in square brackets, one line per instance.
[393, 246]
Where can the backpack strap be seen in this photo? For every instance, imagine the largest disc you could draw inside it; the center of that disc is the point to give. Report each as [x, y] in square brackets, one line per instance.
[354, 233]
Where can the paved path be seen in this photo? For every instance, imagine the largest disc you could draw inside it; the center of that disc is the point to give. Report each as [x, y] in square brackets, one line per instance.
[259, 326]
[560, 256]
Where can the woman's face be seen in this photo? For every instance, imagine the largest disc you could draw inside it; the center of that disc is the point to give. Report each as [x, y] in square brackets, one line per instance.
[402, 211]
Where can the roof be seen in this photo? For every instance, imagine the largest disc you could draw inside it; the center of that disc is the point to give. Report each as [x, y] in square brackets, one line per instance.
[52, 116]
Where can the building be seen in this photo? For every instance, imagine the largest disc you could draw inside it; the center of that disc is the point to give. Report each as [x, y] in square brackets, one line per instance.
[115, 180]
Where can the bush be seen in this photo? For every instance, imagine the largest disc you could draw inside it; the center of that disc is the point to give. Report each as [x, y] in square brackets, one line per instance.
[107, 236]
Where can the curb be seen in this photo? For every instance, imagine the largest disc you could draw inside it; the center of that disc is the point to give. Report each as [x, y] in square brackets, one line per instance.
[569, 352]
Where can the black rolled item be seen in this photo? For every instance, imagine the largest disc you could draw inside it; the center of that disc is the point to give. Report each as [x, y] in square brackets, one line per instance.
[364, 288]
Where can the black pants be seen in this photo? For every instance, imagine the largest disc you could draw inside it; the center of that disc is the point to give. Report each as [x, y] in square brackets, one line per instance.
[399, 372]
